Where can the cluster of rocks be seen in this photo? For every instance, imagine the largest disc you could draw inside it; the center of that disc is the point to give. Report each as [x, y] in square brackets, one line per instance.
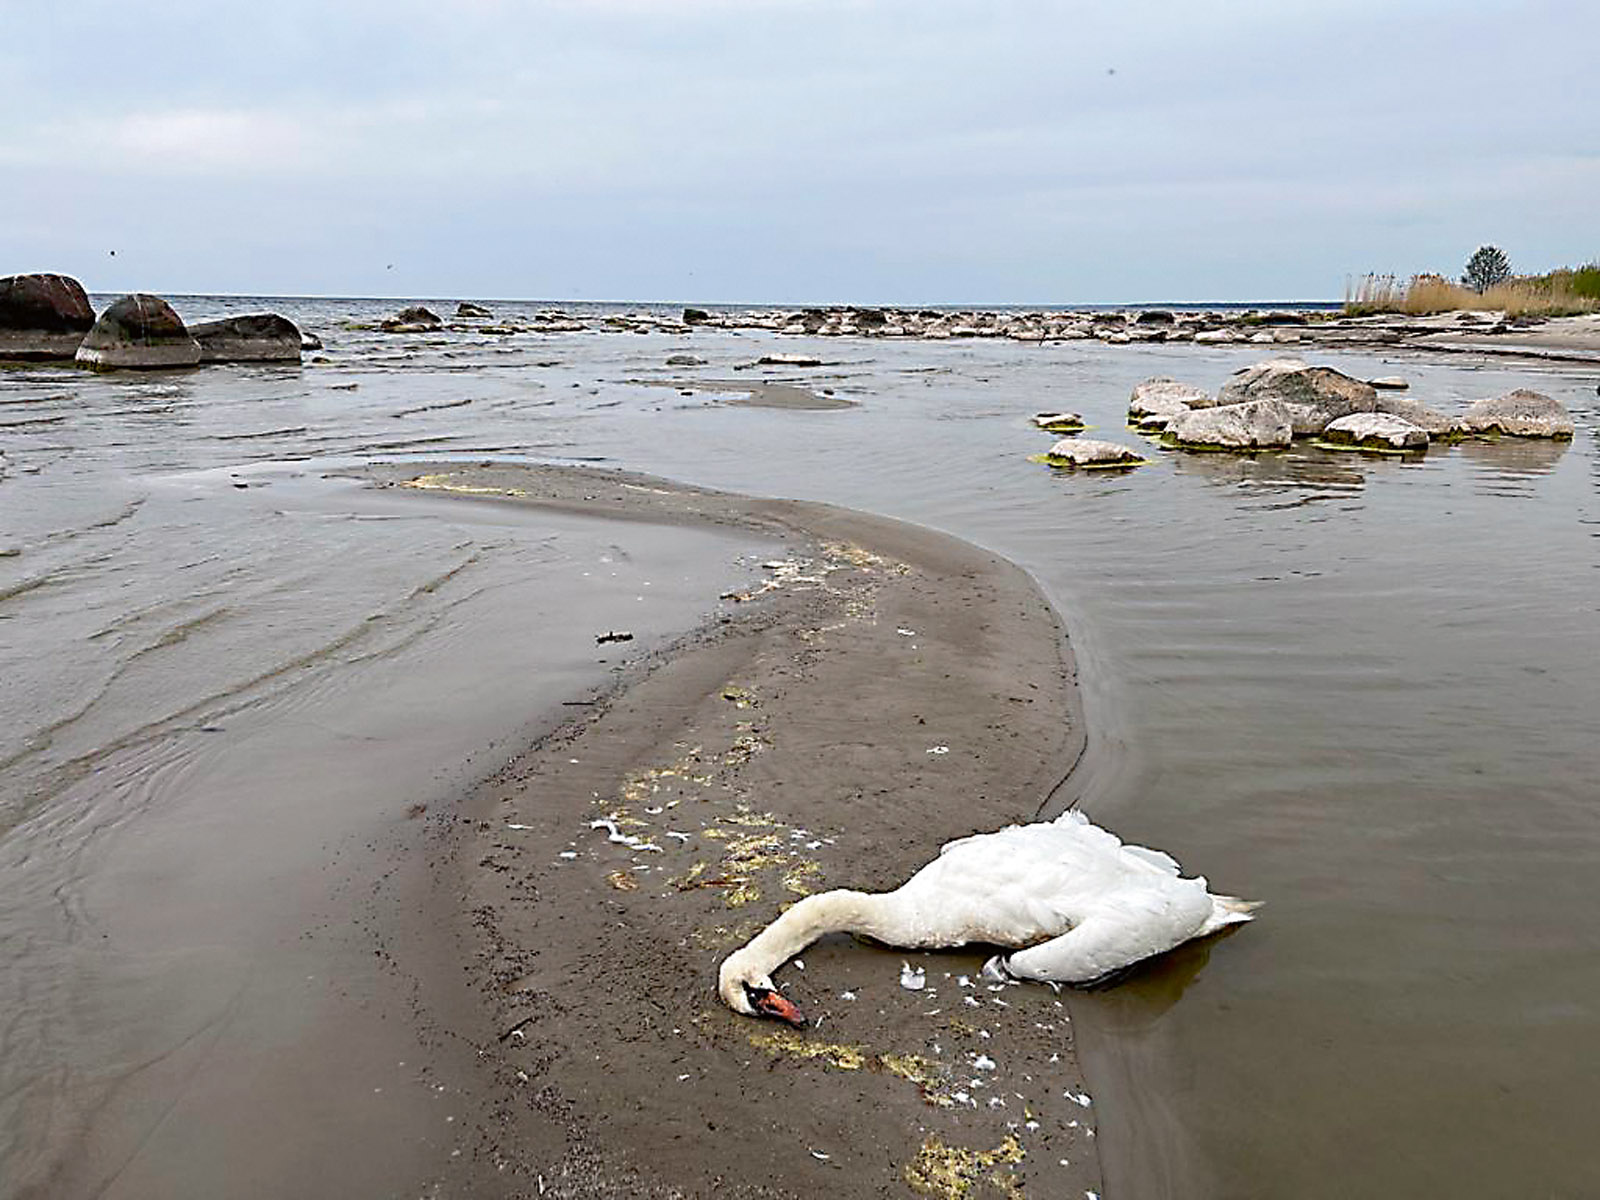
[1214, 326]
[1117, 328]
[476, 319]
[1268, 405]
[45, 318]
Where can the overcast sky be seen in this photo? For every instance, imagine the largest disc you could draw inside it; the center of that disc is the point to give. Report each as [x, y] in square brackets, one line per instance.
[793, 150]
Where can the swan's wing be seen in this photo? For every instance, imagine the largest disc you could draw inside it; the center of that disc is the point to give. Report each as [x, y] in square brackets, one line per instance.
[1124, 928]
[1155, 858]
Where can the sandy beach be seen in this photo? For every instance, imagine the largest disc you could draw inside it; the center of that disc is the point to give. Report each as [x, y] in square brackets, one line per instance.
[886, 689]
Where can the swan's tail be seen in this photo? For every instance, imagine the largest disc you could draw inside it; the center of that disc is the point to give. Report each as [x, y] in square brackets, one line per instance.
[1228, 910]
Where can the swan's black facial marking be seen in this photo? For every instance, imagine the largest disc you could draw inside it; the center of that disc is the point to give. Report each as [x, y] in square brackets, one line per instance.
[769, 1003]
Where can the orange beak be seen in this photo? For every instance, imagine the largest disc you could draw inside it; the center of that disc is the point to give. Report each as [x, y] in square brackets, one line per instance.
[770, 1004]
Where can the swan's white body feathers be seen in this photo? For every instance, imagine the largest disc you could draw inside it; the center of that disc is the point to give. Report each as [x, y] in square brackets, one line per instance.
[1071, 900]
[1071, 897]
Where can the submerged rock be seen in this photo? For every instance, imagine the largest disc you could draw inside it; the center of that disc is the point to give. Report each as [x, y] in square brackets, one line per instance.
[1253, 425]
[139, 331]
[468, 309]
[788, 360]
[261, 337]
[1375, 431]
[42, 316]
[1314, 396]
[1521, 413]
[1088, 453]
[685, 360]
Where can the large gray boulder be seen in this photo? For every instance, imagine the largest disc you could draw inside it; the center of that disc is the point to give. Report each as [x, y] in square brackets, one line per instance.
[1314, 396]
[260, 337]
[138, 331]
[467, 309]
[42, 316]
[1375, 431]
[1521, 413]
[1253, 425]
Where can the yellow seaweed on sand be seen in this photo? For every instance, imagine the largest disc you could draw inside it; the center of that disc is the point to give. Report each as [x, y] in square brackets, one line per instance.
[951, 1172]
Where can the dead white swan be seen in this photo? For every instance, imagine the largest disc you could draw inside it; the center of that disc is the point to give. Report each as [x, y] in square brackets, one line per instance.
[1074, 902]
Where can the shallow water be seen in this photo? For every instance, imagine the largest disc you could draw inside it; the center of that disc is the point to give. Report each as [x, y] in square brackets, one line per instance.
[1361, 689]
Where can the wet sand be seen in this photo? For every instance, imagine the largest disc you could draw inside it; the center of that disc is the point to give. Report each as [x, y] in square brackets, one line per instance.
[886, 689]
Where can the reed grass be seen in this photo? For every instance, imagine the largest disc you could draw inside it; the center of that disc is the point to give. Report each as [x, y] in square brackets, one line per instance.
[1565, 292]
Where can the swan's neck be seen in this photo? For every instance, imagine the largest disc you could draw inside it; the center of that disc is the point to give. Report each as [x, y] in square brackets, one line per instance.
[867, 913]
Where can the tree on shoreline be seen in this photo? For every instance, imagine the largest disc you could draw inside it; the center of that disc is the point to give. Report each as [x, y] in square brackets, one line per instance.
[1487, 267]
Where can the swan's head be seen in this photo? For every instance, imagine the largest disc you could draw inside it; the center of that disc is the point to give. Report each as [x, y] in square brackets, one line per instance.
[747, 989]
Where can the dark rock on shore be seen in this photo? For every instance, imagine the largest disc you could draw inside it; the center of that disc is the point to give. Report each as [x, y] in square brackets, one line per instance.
[42, 316]
[466, 309]
[139, 331]
[260, 337]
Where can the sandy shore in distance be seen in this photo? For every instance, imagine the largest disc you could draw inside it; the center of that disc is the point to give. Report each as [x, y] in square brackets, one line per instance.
[887, 689]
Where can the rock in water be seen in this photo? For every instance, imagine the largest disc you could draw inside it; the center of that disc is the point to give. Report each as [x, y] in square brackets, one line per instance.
[1521, 413]
[466, 309]
[1432, 422]
[1390, 382]
[1254, 425]
[1375, 431]
[1059, 422]
[261, 337]
[139, 331]
[695, 316]
[42, 316]
[416, 319]
[1313, 396]
[1088, 453]
[1160, 396]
